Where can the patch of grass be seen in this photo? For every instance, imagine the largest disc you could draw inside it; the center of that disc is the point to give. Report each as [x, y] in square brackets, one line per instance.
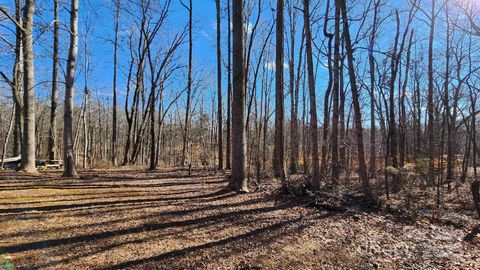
[5, 263]
[268, 263]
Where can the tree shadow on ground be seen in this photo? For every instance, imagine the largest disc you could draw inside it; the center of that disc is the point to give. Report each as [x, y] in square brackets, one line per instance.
[256, 237]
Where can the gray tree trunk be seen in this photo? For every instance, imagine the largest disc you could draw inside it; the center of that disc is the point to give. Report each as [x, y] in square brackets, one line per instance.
[69, 156]
[28, 145]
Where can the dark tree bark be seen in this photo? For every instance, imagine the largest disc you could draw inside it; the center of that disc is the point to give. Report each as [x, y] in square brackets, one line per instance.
[189, 83]
[293, 91]
[371, 61]
[313, 103]
[336, 84]
[402, 130]
[229, 92]
[219, 88]
[278, 152]
[52, 136]
[430, 126]
[326, 99]
[362, 170]
[392, 128]
[115, 60]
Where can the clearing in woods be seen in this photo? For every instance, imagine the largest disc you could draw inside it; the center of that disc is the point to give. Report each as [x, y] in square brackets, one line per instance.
[132, 219]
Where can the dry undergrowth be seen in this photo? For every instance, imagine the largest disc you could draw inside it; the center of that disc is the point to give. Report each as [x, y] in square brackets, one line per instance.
[132, 219]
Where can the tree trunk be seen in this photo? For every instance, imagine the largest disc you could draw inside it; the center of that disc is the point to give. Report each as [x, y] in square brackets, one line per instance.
[293, 93]
[114, 105]
[229, 92]
[371, 60]
[7, 137]
[313, 103]
[52, 136]
[392, 129]
[402, 130]
[189, 84]
[362, 170]
[28, 142]
[219, 88]
[431, 136]
[69, 156]
[278, 152]
[336, 84]
[238, 181]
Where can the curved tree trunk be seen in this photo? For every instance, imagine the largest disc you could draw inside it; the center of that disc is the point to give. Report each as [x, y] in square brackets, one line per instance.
[313, 103]
[69, 156]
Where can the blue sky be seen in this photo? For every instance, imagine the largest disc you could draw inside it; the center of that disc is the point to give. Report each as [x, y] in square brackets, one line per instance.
[101, 17]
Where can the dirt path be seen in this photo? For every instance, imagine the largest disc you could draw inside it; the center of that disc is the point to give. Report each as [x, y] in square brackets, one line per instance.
[168, 220]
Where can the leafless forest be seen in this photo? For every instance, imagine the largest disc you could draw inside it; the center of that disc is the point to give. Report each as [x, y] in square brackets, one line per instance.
[239, 134]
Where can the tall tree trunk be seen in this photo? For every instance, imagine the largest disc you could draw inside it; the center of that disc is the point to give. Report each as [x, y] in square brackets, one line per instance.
[189, 84]
[219, 87]
[313, 103]
[69, 156]
[238, 180]
[402, 130]
[293, 92]
[7, 137]
[450, 120]
[114, 113]
[371, 60]
[431, 136]
[336, 84]
[28, 145]
[392, 129]
[153, 144]
[278, 151]
[52, 136]
[229, 91]
[86, 114]
[326, 99]
[362, 170]
[18, 81]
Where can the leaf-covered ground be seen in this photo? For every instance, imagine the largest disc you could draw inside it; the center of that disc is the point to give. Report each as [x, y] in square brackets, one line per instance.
[132, 219]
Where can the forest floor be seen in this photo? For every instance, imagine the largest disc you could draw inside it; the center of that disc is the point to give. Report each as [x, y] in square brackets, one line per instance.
[132, 219]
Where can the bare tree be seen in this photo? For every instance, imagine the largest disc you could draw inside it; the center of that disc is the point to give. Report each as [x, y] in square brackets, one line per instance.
[189, 81]
[293, 89]
[69, 156]
[278, 152]
[313, 103]
[336, 90]
[371, 61]
[52, 137]
[362, 170]
[114, 105]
